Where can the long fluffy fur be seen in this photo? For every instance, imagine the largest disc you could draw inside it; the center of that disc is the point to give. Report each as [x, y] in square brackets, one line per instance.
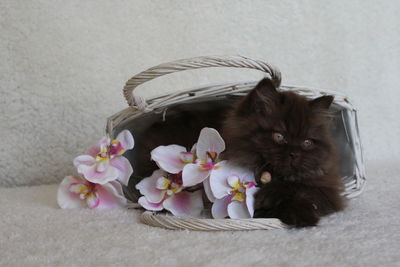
[303, 188]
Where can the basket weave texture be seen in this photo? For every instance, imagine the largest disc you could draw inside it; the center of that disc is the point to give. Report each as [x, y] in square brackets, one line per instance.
[138, 106]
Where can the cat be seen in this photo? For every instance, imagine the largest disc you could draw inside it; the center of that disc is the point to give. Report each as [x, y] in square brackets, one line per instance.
[286, 135]
[267, 130]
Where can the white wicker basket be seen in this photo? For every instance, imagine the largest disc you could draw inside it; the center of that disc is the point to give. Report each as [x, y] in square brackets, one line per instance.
[346, 128]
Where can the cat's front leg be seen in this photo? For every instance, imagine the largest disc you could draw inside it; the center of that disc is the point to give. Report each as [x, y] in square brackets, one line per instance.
[288, 202]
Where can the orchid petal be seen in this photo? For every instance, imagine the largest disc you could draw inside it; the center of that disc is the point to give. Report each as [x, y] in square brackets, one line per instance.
[110, 195]
[67, 199]
[117, 190]
[187, 157]
[233, 180]
[94, 150]
[149, 205]
[89, 172]
[148, 187]
[84, 160]
[207, 190]
[168, 158]
[219, 209]
[126, 139]
[238, 210]
[185, 204]
[193, 175]
[193, 149]
[247, 176]
[102, 165]
[250, 199]
[104, 142]
[209, 141]
[124, 167]
[219, 186]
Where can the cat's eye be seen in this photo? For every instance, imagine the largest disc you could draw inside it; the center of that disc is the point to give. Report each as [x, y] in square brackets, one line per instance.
[279, 138]
[307, 143]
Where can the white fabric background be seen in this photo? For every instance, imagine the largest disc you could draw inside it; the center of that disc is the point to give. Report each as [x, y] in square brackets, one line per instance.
[63, 65]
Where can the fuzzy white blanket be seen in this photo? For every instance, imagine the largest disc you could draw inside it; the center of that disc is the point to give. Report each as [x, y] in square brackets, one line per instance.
[63, 65]
[35, 232]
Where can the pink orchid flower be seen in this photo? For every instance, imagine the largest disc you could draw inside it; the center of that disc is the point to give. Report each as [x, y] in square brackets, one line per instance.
[208, 147]
[233, 189]
[104, 162]
[195, 165]
[165, 191]
[75, 192]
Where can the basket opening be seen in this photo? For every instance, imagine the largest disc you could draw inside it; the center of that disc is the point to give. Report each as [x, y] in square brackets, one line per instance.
[339, 126]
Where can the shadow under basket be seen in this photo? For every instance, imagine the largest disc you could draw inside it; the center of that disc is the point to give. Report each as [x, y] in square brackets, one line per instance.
[142, 114]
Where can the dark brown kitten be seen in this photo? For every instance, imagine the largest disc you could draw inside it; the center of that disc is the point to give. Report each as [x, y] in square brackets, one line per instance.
[279, 132]
[285, 134]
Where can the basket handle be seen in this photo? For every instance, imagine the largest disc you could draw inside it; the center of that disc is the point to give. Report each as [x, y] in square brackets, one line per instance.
[136, 101]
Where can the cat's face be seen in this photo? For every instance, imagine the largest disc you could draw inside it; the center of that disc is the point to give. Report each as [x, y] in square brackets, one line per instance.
[282, 131]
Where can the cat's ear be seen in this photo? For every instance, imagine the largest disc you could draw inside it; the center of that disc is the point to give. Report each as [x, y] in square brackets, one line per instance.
[322, 103]
[264, 97]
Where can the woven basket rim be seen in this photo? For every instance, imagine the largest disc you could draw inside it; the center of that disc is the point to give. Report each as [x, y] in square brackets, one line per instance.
[208, 224]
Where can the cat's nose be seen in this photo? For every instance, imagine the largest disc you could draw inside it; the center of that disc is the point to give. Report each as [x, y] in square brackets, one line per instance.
[294, 155]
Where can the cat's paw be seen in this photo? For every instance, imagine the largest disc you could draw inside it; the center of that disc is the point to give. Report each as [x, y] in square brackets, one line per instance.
[287, 203]
[298, 214]
[291, 212]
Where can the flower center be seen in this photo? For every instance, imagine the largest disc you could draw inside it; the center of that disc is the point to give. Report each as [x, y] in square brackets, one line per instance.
[111, 150]
[209, 163]
[239, 190]
[82, 189]
[172, 183]
[212, 155]
[86, 191]
[103, 155]
[116, 148]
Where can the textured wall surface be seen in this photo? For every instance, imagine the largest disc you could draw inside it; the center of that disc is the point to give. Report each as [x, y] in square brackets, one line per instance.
[63, 65]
